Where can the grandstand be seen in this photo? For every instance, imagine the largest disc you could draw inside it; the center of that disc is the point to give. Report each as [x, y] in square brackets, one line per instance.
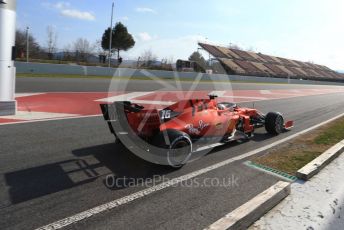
[241, 62]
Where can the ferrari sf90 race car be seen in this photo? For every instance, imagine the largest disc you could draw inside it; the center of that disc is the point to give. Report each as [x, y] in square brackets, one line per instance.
[172, 134]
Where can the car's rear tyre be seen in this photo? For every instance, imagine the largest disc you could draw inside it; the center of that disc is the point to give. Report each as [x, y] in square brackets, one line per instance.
[176, 145]
[274, 123]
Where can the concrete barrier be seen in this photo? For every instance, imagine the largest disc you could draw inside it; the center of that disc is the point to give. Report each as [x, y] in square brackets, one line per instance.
[246, 214]
[42, 68]
[313, 167]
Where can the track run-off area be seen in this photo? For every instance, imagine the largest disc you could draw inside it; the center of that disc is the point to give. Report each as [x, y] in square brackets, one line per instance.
[62, 105]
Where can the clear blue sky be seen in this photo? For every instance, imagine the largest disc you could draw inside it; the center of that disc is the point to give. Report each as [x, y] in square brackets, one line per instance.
[308, 30]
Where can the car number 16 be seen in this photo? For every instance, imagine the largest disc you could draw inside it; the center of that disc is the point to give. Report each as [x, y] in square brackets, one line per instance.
[166, 114]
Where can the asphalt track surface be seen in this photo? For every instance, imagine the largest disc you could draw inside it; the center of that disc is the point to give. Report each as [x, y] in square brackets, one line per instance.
[54, 169]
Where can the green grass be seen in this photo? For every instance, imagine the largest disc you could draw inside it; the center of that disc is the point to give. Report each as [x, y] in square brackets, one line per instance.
[295, 162]
[89, 76]
[47, 61]
[295, 154]
[331, 136]
[60, 75]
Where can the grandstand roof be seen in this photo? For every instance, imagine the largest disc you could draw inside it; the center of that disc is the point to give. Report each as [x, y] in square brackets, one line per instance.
[250, 63]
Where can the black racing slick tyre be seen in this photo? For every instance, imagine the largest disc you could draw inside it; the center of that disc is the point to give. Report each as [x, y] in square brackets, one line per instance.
[176, 145]
[274, 123]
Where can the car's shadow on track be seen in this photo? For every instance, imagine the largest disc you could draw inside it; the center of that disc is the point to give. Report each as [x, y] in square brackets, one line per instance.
[90, 164]
[35, 182]
[125, 167]
[258, 137]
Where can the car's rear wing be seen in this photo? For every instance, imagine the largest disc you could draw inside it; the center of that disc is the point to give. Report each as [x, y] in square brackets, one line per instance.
[109, 114]
[124, 117]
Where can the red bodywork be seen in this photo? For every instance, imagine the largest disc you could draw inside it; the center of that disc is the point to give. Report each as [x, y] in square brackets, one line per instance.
[198, 118]
[170, 135]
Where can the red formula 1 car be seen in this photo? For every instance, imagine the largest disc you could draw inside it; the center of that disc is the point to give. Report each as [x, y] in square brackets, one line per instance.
[177, 129]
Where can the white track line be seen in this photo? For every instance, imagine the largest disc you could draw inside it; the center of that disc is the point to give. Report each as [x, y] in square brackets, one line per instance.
[29, 116]
[268, 92]
[218, 93]
[27, 94]
[265, 91]
[258, 98]
[52, 119]
[140, 194]
[152, 102]
[124, 97]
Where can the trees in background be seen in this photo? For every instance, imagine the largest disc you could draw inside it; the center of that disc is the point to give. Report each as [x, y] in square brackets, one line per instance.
[234, 46]
[51, 41]
[83, 49]
[199, 59]
[121, 39]
[237, 47]
[20, 44]
[148, 58]
[100, 51]
[68, 54]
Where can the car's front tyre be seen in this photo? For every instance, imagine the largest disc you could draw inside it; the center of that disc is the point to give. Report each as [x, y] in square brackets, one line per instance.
[274, 123]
